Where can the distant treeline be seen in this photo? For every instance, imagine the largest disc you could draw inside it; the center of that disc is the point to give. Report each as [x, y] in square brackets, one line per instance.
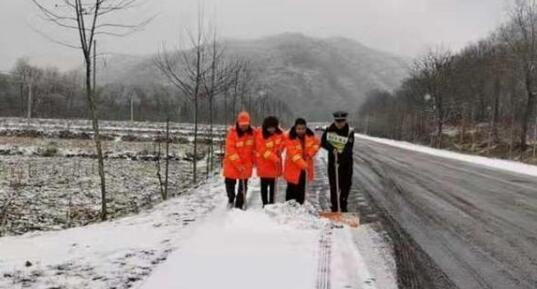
[489, 86]
[56, 94]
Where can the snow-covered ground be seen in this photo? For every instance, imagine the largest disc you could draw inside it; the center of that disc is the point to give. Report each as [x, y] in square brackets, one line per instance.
[85, 148]
[110, 130]
[114, 254]
[194, 242]
[41, 194]
[50, 184]
[48, 171]
[511, 166]
[252, 249]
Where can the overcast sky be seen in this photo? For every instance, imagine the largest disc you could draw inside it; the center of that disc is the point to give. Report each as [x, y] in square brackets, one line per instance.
[404, 27]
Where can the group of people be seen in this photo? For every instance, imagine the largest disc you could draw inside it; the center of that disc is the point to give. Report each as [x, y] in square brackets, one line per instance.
[275, 153]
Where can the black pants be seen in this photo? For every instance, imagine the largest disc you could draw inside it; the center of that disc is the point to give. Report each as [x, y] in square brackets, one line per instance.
[268, 185]
[345, 183]
[238, 197]
[297, 192]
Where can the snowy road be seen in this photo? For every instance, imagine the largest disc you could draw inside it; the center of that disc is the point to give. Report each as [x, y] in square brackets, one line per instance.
[281, 246]
[477, 224]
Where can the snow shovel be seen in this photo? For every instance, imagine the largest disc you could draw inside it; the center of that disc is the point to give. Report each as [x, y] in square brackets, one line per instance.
[349, 219]
[273, 195]
[243, 183]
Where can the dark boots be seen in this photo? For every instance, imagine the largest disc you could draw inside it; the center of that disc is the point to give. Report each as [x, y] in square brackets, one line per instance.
[238, 197]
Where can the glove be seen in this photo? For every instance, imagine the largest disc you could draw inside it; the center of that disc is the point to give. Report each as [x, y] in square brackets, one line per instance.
[303, 165]
[275, 159]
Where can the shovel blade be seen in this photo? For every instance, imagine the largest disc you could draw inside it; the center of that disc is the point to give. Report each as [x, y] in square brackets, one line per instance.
[349, 219]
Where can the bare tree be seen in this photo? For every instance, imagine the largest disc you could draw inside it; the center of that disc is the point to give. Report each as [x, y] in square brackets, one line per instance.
[434, 70]
[220, 77]
[163, 184]
[211, 90]
[186, 70]
[86, 18]
[247, 83]
[499, 68]
[236, 82]
[521, 36]
[27, 75]
[239, 84]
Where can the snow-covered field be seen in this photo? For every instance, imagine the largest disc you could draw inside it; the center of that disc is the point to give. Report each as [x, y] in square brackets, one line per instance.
[49, 179]
[110, 130]
[55, 193]
[194, 242]
[42, 190]
[85, 148]
[506, 165]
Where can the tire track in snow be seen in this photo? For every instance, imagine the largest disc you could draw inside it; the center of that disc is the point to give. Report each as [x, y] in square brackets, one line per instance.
[325, 258]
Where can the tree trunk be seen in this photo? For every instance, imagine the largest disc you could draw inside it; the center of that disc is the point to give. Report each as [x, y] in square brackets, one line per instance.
[496, 112]
[235, 92]
[535, 138]
[249, 102]
[225, 108]
[132, 108]
[482, 106]
[463, 126]
[211, 128]
[195, 158]
[167, 158]
[21, 107]
[527, 113]
[440, 121]
[94, 66]
[30, 99]
[95, 123]
[208, 164]
[234, 103]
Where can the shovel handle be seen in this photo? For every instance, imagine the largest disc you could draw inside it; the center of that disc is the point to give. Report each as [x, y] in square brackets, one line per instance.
[243, 183]
[336, 165]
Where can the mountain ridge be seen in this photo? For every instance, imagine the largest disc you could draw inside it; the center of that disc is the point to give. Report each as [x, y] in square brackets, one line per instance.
[313, 75]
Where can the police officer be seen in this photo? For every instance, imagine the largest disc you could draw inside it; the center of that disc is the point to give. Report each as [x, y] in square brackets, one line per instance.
[338, 139]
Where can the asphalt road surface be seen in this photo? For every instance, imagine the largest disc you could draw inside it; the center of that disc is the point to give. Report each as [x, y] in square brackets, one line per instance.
[477, 226]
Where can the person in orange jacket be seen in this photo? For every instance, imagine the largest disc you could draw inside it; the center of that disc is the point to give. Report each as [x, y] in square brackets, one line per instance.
[269, 144]
[239, 159]
[302, 145]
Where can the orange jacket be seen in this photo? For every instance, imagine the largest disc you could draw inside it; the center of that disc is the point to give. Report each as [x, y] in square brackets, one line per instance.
[239, 155]
[268, 154]
[300, 156]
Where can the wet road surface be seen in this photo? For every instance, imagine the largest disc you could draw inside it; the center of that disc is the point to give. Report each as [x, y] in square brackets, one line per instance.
[454, 224]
